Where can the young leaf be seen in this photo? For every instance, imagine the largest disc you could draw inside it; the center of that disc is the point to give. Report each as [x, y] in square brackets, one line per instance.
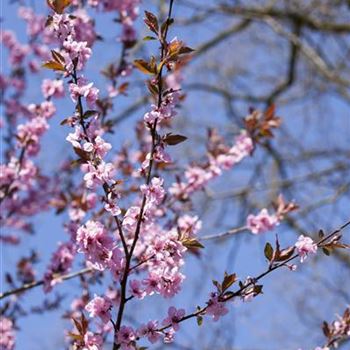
[268, 251]
[284, 254]
[152, 22]
[191, 243]
[59, 5]
[53, 65]
[229, 280]
[90, 113]
[326, 251]
[78, 326]
[58, 57]
[166, 24]
[173, 140]
[144, 67]
[81, 153]
[217, 285]
[149, 37]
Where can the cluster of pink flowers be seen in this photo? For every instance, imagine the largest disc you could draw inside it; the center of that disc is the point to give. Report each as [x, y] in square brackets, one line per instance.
[78, 209]
[174, 316]
[72, 49]
[165, 111]
[100, 307]
[84, 27]
[35, 22]
[262, 222]
[126, 338]
[7, 334]
[60, 264]
[92, 341]
[98, 175]
[127, 335]
[29, 134]
[305, 246]
[189, 226]
[163, 254]
[21, 180]
[84, 89]
[215, 307]
[242, 148]
[52, 88]
[128, 11]
[18, 175]
[89, 140]
[198, 176]
[150, 330]
[154, 192]
[17, 51]
[93, 240]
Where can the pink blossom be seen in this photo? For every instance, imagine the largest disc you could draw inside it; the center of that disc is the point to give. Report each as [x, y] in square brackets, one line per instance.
[160, 155]
[29, 134]
[174, 316]
[93, 240]
[34, 66]
[243, 146]
[171, 283]
[92, 341]
[7, 334]
[261, 222]
[8, 38]
[35, 23]
[131, 218]
[305, 246]
[101, 146]
[84, 89]
[125, 337]
[91, 200]
[116, 264]
[77, 50]
[111, 205]
[9, 239]
[149, 330]
[75, 137]
[100, 307]
[174, 80]
[179, 189]
[46, 109]
[136, 289]
[61, 262]
[128, 32]
[99, 175]
[216, 308]
[152, 283]
[197, 177]
[154, 192]
[52, 88]
[151, 116]
[169, 336]
[84, 27]
[189, 225]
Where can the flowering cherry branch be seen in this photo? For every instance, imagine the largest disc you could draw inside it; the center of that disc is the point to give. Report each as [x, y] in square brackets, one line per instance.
[329, 241]
[153, 130]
